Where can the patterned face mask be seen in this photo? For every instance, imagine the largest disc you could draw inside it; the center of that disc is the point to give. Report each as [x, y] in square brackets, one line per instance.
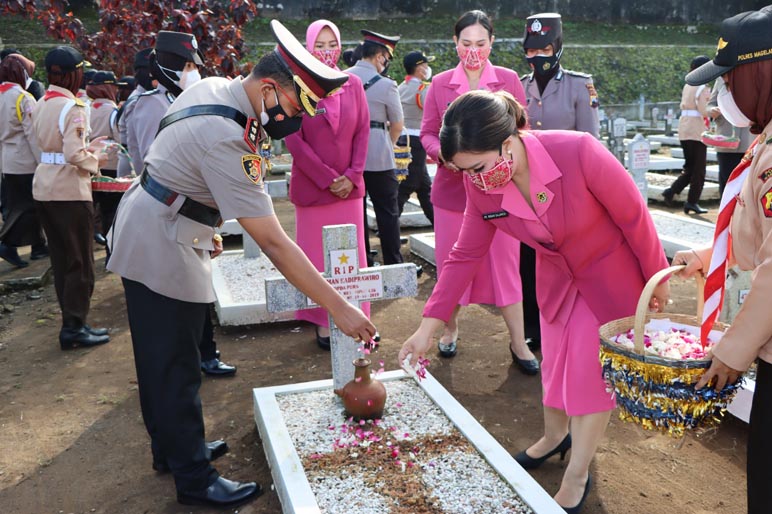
[473, 58]
[498, 176]
[328, 56]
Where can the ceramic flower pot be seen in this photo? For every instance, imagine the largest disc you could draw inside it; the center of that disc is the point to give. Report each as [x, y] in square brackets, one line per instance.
[363, 397]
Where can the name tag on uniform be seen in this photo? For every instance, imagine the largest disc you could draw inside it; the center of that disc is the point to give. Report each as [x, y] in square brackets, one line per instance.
[495, 215]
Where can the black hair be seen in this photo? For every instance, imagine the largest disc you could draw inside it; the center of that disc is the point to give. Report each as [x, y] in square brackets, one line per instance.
[370, 49]
[470, 18]
[352, 55]
[6, 52]
[479, 121]
[271, 65]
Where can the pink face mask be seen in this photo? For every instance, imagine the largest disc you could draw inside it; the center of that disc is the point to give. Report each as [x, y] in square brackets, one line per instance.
[473, 57]
[498, 176]
[329, 57]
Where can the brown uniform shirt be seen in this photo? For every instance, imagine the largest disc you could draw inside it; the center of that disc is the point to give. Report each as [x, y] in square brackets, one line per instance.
[65, 134]
[103, 112]
[204, 158]
[19, 153]
[694, 107]
[750, 335]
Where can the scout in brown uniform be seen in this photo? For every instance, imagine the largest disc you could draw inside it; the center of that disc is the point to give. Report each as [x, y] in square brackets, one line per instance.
[62, 192]
[19, 155]
[744, 60]
[202, 167]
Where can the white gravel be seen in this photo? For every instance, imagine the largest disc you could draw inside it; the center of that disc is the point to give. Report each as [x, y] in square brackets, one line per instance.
[463, 482]
[246, 277]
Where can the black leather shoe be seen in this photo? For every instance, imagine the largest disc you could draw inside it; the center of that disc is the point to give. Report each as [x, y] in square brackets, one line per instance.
[447, 349]
[222, 493]
[528, 462]
[96, 331]
[100, 239]
[419, 270]
[217, 368]
[40, 252]
[323, 342]
[694, 207]
[11, 256]
[70, 338]
[527, 366]
[216, 450]
[576, 509]
[667, 194]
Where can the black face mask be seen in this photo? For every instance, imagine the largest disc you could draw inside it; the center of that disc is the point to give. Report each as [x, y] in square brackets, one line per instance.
[544, 65]
[277, 123]
[386, 65]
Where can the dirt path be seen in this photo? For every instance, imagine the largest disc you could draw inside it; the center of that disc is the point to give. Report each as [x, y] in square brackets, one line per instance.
[73, 441]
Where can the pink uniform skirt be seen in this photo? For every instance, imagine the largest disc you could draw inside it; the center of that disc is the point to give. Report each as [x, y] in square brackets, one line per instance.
[497, 282]
[571, 373]
[308, 234]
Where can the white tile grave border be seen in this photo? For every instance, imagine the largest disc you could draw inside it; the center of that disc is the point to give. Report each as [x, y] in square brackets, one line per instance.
[290, 479]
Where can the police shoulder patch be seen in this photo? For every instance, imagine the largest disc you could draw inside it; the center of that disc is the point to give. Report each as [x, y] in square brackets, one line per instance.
[765, 175]
[766, 203]
[251, 164]
[577, 74]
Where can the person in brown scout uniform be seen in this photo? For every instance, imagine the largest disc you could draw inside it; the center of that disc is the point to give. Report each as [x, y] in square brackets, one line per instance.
[204, 166]
[556, 99]
[19, 155]
[62, 192]
[744, 60]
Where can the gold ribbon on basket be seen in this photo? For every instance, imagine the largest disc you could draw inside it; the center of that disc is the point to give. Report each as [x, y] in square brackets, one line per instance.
[656, 392]
[402, 158]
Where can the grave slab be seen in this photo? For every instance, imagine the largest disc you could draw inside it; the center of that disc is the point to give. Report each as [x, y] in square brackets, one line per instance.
[663, 163]
[412, 215]
[678, 153]
[275, 189]
[658, 183]
[681, 233]
[665, 140]
[289, 478]
[711, 173]
[422, 245]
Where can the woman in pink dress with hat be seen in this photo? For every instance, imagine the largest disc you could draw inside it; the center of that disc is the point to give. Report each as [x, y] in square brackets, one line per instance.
[563, 194]
[328, 159]
[496, 283]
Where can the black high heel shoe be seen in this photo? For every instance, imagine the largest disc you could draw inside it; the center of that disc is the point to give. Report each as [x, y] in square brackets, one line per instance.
[667, 194]
[528, 462]
[693, 207]
[576, 509]
[527, 366]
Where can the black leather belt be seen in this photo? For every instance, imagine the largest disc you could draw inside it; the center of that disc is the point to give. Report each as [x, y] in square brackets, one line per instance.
[191, 209]
[378, 125]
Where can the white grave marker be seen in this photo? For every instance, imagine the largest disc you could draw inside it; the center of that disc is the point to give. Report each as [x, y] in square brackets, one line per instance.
[638, 156]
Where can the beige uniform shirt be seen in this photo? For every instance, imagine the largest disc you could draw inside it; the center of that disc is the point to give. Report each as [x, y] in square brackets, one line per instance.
[19, 153]
[204, 158]
[103, 113]
[569, 102]
[694, 107]
[412, 94]
[750, 335]
[63, 134]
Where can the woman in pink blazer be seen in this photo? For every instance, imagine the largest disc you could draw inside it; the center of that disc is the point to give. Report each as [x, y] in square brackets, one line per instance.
[328, 158]
[496, 283]
[566, 196]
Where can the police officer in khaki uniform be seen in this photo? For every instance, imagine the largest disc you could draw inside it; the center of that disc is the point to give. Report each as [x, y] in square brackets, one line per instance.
[557, 99]
[144, 82]
[386, 123]
[202, 167]
[412, 93]
[62, 192]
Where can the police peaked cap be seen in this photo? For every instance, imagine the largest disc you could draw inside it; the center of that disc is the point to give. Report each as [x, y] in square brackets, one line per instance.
[312, 79]
[744, 38]
[142, 58]
[541, 30]
[388, 42]
[104, 77]
[179, 43]
[66, 58]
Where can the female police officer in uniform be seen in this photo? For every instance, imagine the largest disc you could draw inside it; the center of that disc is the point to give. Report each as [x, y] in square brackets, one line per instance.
[201, 168]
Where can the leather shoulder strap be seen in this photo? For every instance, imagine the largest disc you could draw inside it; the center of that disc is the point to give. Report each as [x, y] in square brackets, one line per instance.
[204, 110]
[372, 81]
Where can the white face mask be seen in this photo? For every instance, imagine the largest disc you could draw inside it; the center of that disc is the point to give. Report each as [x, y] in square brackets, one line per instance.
[729, 109]
[27, 80]
[189, 78]
[428, 73]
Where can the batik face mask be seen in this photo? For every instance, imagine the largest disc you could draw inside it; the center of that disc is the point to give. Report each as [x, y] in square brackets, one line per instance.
[328, 56]
[473, 57]
[498, 176]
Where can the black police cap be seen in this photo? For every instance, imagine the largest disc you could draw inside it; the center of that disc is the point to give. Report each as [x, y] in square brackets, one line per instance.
[744, 38]
[104, 77]
[179, 43]
[413, 59]
[66, 58]
[142, 58]
[541, 30]
[388, 42]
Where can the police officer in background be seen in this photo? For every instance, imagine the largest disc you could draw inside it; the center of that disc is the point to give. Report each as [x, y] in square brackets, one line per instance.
[386, 123]
[202, 167]
[412, 93]
[557, 99]
[144, 82]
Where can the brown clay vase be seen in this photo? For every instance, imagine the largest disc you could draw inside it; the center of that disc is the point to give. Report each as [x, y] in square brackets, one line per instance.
[363, 397]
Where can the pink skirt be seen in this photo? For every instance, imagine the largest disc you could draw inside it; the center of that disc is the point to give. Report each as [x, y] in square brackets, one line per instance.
[498, 280]
[571, 373]
[308, 234]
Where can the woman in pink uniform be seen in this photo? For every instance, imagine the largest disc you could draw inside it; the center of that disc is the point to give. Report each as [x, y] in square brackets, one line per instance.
[328, 158]
[496, 283]
[566, 196]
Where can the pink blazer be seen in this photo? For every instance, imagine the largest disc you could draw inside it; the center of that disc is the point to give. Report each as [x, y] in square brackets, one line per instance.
[604, 244]
[448, 188]
[331, 144]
